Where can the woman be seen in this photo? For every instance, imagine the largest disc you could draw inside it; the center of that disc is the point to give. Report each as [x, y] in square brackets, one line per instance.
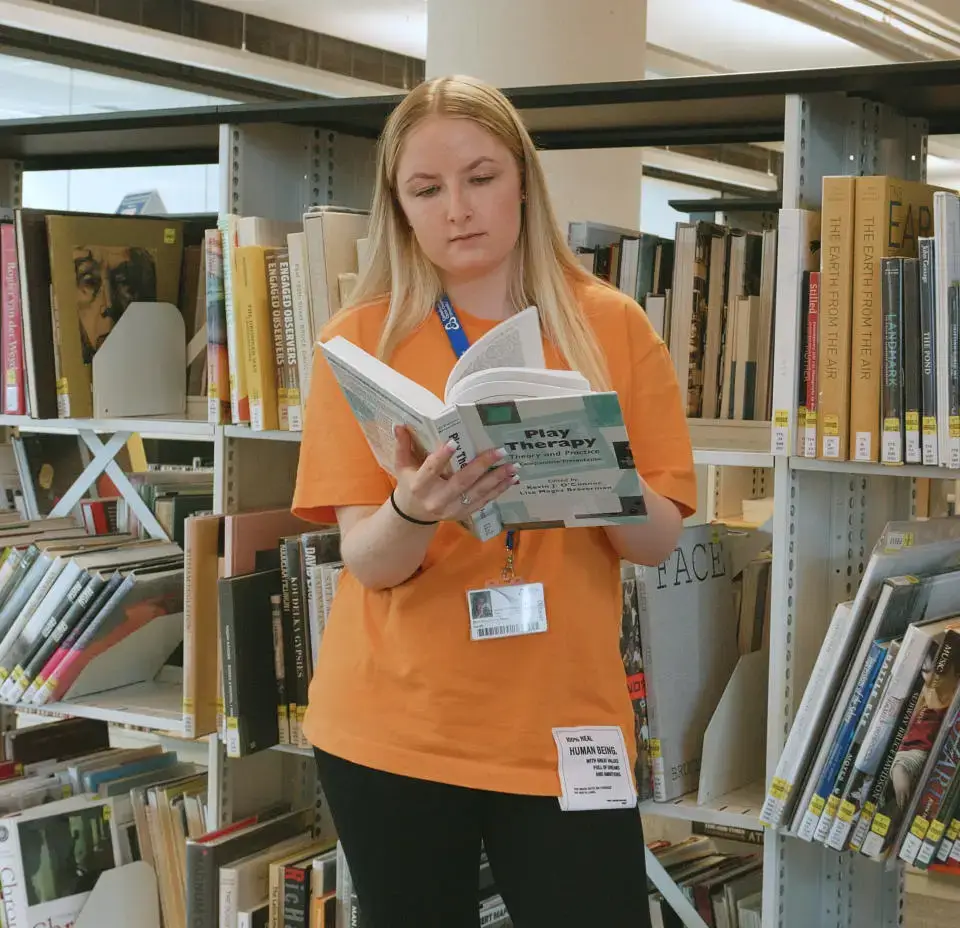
[429, 744]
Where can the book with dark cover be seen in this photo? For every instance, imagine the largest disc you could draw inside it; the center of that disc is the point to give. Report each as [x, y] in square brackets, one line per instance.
[912, 357]
[891, 409]
[296, 895]
[56, 740]
[290, 670]
[803, 367]
[810, 344]
[246, 636]
[928, 354]
[205, 856]
[300, 632]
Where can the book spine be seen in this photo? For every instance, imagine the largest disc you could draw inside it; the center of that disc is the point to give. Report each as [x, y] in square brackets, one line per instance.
[276, 323]
[928, 351]
[228, 649]
[809, 443]
[939, 838]
[296, 896]
[290, 670]
[912, 351]
[303, 320]
[803, 368]
[191, 586]
[289, 371]
[781, 794]
[949, 846]
[953, 375]
[239, 399]
[14, 397]
[891, 303]
[866, 348]
[836, 301]
[218, 362]
[811, 816]
[836, 812]
[252, 286]
[202, 885]
[276, 622]
[301, 644]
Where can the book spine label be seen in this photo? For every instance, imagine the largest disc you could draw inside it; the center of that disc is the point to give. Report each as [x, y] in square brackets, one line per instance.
[809, 443]
[928, 355]
[836, 312]
[289, 372]
[14, 397]
[911, 353]
[891, 302]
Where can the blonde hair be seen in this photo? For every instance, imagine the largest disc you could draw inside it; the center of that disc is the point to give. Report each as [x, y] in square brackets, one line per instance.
[546, 268]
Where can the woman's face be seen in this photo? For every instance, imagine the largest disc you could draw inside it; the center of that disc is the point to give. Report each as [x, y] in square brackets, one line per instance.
[460, 190]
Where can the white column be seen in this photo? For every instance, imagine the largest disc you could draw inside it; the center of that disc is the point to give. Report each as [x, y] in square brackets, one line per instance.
[515, 43]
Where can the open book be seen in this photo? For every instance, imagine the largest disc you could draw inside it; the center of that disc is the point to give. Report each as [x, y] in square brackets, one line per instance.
[576, 467]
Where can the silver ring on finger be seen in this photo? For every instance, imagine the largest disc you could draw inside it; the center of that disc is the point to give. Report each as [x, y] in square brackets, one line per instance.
[465, 499]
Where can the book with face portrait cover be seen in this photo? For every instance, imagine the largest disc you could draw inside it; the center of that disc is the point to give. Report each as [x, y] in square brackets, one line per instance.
[99, 265]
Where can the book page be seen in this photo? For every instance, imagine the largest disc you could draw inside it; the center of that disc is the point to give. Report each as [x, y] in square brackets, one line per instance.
[515, 342]
[527, 381]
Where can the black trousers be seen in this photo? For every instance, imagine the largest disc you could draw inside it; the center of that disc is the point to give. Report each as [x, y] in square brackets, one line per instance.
[414, 851]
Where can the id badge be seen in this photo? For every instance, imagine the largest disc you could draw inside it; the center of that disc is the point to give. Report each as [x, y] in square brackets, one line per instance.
[505, 610]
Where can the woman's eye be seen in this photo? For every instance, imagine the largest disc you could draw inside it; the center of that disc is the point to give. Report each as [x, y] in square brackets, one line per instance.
[482, 179]
[427, 191]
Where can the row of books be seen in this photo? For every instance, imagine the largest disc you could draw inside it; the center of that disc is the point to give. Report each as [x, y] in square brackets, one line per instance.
[878, 344]
[870, 762]
[709, 294]
[72, 808]
[724, 887]
[68, 598]
[66, 279]
[684, 626]
[270, 287]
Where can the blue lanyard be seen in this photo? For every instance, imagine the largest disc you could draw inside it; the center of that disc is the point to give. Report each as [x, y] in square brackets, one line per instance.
[451, 325]
[460, 343]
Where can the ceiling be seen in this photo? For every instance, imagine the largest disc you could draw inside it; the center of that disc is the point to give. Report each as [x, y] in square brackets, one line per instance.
[722, 32]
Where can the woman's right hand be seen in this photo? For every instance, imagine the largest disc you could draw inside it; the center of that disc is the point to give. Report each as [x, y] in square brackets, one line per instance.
[425, 492]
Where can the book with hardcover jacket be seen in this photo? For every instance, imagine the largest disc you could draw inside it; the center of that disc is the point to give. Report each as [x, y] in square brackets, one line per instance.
[576, 466]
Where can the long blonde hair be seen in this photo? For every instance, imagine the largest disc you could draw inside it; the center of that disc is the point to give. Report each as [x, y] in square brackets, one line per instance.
[546, 268]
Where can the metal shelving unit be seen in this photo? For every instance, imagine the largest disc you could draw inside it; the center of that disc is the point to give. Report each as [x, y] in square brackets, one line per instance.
[278, 159]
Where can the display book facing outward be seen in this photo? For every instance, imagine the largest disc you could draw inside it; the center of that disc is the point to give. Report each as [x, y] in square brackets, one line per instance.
[870, 762]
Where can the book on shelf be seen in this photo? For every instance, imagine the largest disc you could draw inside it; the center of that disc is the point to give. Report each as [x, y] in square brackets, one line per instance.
[576, 467]
[869, 765]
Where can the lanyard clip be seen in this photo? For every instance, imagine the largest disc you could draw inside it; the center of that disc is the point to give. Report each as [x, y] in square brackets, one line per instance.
[507, 575]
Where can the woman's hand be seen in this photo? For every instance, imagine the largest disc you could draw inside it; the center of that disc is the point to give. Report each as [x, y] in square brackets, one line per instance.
[425, 491]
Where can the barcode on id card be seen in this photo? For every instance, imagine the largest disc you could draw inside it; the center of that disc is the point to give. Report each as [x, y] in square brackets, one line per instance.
[495, 631]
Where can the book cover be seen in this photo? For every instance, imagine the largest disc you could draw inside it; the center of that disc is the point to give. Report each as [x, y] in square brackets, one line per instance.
[218, 365]
[11, 320]
[892, 393]
[631, 651]
[688, 633]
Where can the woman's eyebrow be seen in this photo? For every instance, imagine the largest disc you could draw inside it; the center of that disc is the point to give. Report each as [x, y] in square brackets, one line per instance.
[425, 175]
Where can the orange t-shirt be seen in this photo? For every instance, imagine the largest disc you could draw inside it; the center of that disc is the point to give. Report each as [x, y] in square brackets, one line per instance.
[399, 685]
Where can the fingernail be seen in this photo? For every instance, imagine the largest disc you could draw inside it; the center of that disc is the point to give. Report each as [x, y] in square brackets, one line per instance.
[500, 453]
[512, 469]
[515, 480]
[451, 445]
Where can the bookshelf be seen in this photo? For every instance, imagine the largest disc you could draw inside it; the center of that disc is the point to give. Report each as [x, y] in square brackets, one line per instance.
[278, 159]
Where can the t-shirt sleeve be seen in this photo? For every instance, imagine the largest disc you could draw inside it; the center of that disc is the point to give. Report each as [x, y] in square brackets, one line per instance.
[336, 467]
[656, 416]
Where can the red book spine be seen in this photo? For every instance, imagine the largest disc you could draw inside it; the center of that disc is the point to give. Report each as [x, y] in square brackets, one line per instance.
[813, 334]
[14, 402]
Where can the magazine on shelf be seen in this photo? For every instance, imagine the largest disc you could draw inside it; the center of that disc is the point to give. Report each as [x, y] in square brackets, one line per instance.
[576, 466]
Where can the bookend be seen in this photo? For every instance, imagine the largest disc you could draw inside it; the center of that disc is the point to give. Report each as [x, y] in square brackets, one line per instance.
[136, 658]
[122, 897]
[139, 368]
[734, 744]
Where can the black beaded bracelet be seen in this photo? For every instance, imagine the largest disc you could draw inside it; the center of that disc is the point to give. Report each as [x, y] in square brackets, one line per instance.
[403, 515]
